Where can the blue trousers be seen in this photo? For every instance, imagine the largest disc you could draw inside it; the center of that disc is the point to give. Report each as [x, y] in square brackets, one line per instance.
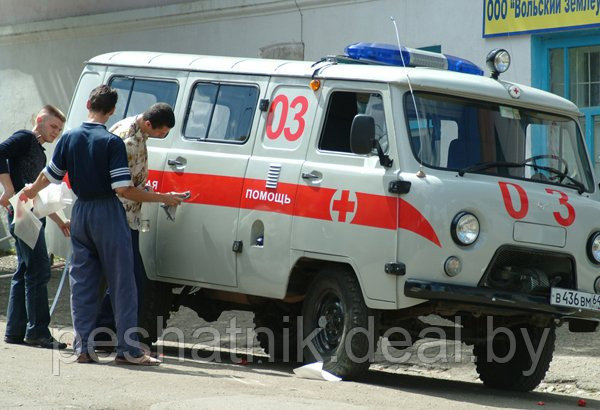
[102, 246]
[28, 314]
[106, 318]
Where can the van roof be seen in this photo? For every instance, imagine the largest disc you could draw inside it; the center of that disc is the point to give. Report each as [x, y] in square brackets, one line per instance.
[421, 78]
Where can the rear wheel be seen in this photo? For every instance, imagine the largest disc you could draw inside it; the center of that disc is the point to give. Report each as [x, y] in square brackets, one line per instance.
[155, 310]
[335, 313]
[518, 372]
[281, 322]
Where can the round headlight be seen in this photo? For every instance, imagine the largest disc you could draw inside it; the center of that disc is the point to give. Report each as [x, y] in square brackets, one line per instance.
[498, 61]
[465, 228]
[593, 247]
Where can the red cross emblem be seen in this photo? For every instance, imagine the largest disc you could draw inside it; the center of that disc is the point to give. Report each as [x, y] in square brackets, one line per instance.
[343, 206]
[514, 91]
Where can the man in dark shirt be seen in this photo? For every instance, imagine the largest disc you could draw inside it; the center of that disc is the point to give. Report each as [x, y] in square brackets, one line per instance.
[96, 161]
[22, 157]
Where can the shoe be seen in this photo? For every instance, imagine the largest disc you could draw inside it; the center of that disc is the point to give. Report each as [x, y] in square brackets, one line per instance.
[45, 343]
[143, 360]
[13, 340]
[85, 358]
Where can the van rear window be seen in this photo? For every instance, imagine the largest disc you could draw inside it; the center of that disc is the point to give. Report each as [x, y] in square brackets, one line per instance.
[137, 95]
[221, 112]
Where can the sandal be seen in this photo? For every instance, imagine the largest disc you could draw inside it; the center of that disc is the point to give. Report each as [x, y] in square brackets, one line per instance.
[143, 360]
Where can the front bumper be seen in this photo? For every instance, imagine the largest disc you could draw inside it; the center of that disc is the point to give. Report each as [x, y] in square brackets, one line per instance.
[477, 296]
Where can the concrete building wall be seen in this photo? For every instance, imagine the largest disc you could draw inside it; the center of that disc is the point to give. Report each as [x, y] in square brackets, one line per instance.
[40, 61]
[26, 11]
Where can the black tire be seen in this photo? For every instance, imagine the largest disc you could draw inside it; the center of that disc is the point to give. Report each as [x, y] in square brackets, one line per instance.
[334, 306]
[283, 323]
[157, 303]
[511, 375]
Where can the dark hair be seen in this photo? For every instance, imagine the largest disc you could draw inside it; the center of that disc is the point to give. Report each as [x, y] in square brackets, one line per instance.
[49, 109]
[160, 115]
[103, 99]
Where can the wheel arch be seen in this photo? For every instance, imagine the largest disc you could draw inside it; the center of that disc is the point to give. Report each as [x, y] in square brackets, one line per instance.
[308, 266]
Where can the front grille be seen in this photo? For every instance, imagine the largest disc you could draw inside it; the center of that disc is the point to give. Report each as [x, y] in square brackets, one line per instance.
[529, 271]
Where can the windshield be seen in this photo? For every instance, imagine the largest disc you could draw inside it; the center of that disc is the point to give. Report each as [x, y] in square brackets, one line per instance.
[476, 136]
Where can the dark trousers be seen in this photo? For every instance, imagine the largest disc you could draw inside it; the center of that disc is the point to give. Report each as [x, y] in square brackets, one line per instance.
[106, 317]
[28, 314]
[102, 246]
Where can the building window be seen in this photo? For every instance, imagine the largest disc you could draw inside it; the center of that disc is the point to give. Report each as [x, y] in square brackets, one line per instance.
[557, 71]
[584, 67]
[583, 74]
[568, 64]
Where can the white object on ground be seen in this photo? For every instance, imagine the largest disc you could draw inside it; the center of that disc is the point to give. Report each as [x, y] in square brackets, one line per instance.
[315, 371]
[27, 226]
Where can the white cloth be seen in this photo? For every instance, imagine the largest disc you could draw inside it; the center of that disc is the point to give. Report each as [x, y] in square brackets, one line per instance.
[50, 200]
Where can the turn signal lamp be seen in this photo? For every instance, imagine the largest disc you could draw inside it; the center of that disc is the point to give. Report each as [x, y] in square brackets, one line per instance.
[390, 54]
[315, 85]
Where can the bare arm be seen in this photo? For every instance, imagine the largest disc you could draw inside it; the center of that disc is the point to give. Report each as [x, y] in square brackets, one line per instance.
[139, 195]
[9, 189]
[40, 183]
[65, 226]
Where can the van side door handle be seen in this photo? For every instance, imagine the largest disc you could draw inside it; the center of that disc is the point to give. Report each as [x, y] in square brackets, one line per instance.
[178, 162]
[310, 175]
[175, 163]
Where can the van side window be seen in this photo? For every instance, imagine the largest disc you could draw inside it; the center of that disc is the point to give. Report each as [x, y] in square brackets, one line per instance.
[221, 112]
[343, 106]
[137, 95]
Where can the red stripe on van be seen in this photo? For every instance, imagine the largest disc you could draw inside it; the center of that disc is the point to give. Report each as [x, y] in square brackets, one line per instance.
[314, 202]
[377, 211]
[412, 220]
[217, 190]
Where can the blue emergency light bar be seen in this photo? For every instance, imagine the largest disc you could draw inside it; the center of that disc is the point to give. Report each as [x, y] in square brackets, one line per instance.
[390, 54]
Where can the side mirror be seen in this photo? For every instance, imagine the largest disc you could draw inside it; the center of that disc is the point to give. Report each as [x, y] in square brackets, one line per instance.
[362, 139]
[362, 134]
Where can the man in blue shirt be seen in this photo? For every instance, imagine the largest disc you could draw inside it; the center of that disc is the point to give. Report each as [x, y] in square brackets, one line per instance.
[22, 157]
[96, 162]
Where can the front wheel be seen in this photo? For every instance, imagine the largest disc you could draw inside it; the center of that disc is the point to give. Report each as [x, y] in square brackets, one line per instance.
[337, 325]
[518, 362]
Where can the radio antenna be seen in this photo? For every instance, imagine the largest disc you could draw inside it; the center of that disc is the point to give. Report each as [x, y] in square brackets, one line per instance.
[421, 173]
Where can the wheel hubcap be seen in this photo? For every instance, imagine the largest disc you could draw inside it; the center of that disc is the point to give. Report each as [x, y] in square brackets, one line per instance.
[330, 320]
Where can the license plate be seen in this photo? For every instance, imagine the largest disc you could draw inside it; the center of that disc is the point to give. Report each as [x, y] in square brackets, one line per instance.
[575, 299]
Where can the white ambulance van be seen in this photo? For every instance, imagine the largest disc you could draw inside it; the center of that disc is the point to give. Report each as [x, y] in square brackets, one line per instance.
[343, 200]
